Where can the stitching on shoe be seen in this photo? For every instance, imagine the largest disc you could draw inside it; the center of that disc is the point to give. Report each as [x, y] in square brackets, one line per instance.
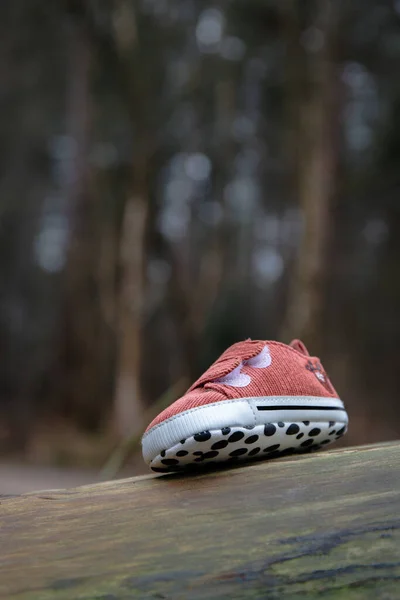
[251, 404]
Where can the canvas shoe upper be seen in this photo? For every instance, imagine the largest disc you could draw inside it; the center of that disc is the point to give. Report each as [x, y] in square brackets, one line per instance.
[253, 383]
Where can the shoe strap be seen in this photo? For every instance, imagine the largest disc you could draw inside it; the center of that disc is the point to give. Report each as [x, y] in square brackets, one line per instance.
[228, 361]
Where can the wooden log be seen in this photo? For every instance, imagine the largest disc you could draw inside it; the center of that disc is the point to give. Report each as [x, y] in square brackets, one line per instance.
[324, 525]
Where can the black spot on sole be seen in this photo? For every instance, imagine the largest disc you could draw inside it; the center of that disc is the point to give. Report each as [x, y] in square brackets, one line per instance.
[251, 440]
[292, 429]
[254, 451]
[211, 454]
[272, 448]
[314, 432]
[307, 443]
[235, 437]
[203, 436]
[269, 429]
[238, 452]
[219, 445]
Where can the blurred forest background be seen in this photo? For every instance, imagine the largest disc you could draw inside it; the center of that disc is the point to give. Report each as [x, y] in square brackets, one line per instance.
[177, 175]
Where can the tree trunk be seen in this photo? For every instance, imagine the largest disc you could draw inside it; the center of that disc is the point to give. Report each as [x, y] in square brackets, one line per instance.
[128, 403]
[83, 375]
[128, 400]
[312, 91]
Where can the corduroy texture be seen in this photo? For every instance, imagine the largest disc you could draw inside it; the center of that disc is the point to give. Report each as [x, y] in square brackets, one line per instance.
[292, 373]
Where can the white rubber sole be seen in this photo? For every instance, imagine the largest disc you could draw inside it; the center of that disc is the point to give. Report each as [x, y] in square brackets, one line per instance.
[243, 429]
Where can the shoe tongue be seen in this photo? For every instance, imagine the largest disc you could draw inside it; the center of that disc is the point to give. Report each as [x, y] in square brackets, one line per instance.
[299, 346]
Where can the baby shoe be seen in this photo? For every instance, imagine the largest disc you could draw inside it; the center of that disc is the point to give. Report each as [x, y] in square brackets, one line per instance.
[259, 400]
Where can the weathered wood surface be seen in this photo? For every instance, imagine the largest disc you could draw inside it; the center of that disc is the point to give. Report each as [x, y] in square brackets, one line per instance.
[319, 526]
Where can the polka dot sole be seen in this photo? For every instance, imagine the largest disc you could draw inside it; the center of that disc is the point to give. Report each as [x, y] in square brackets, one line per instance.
[234, 444]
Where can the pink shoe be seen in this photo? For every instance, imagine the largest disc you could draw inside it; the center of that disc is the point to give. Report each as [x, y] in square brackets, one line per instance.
[259, 400]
